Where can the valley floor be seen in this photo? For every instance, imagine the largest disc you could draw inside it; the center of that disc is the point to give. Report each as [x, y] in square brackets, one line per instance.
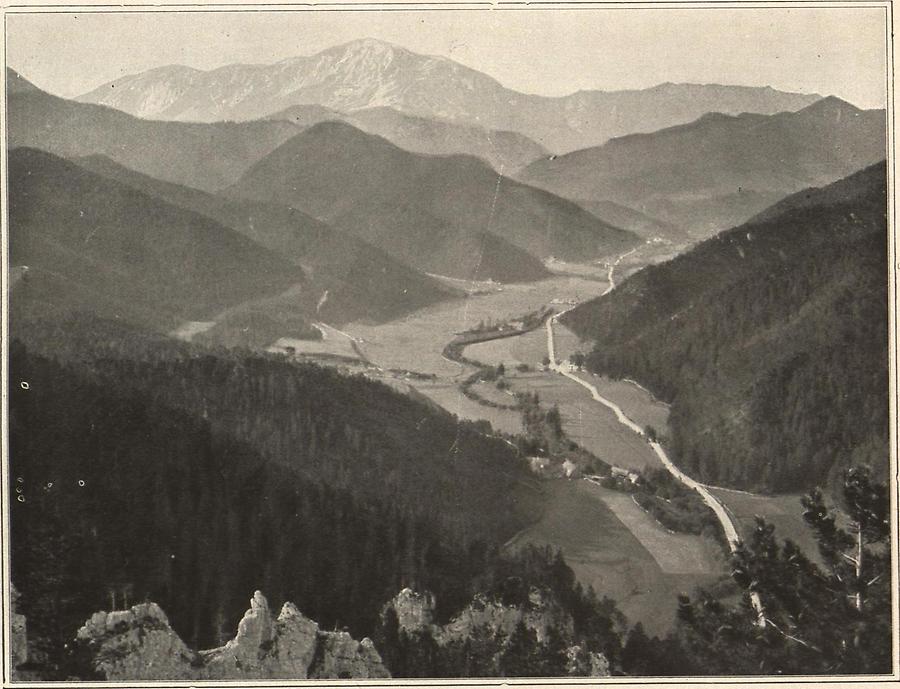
[610, 542]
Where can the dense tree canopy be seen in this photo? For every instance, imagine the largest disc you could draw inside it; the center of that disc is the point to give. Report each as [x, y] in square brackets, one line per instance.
[769, 341]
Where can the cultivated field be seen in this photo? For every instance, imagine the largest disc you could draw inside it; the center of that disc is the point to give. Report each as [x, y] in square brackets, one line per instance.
[333, 343]
[605, 554]
[448, 395]
[529, 348]
[416, 342]
[637, 403]
[588, 423]
[675, 553]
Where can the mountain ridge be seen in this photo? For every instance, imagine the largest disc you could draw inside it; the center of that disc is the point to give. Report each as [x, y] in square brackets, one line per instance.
[719, 170]
[367, 73]
[503, 150]
[207, 156]
[124, 253]
[362, 281]
[340, 174]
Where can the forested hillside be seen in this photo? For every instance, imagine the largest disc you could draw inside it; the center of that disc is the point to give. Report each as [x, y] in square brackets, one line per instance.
[361, 280]
[191, 477]
[769, 340]
[92, 243]
[426, 208]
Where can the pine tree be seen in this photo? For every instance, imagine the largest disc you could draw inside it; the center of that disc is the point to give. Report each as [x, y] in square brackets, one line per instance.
[832, 621]
[521, 658]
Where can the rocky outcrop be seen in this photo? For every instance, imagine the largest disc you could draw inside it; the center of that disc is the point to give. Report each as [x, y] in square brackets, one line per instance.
[540, 613]
[18, 637]
[415, 613]
[139, 644]
[136, 644]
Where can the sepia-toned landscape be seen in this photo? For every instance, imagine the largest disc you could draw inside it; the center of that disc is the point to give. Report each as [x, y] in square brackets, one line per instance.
[411, 345]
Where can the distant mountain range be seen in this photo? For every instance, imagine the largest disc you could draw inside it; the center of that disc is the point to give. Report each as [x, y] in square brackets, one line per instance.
[367, 74]
[505, 151]
[719, 170]
[205, 156]
[451, 215]
[770, 340]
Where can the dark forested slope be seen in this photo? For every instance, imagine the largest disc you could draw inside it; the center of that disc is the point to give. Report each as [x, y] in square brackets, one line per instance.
[361, 280]
[770, 340]
[93, 243]
[160, 470]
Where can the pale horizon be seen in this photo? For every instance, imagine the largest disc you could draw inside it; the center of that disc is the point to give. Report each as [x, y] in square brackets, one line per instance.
[837, 51]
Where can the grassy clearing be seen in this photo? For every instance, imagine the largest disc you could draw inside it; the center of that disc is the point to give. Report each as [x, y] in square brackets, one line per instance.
[448, 396]
[675, 553]
[332, 343]
[566, 342]
[638, 404]
[529, 349]
[586, 422]
[188, 329]
[605, 554]
[491, 393]
[784, 511]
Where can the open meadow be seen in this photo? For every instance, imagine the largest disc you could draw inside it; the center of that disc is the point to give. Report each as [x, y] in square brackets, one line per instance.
[450, 397]
[588, 423]
[605, 553]
[784, 511]
[637, 404]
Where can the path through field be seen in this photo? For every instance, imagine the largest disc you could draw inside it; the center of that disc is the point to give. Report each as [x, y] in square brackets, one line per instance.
[728, 525]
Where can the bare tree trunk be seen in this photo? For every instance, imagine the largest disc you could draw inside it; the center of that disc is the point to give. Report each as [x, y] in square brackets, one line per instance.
[859, 580]
[859, 562]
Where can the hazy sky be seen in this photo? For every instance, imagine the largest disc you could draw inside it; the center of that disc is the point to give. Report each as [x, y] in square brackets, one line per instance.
[552, 52]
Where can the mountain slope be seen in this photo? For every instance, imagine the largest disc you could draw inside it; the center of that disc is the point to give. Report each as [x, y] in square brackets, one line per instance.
[194, 475]
[362, 281]
[96, 244]
[643, 225]
[369, 73]
[208, 156]
[719, 170]
[505, 151]
[770, 340]
[399, 200]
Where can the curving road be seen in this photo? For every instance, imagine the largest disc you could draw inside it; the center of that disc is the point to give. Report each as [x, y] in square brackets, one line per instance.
[731, 533]
[612, 268]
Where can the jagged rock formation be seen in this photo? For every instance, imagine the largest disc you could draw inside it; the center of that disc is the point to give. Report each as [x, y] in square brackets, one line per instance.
[136, 644]
[415, 613]
[139, 644]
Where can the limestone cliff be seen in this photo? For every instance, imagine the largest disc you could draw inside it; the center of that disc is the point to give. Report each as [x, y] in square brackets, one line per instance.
[139, 644]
